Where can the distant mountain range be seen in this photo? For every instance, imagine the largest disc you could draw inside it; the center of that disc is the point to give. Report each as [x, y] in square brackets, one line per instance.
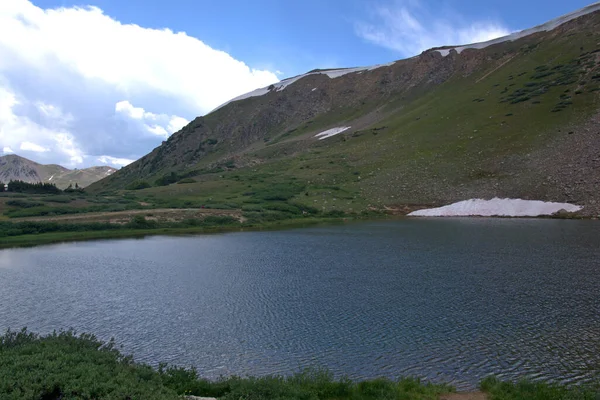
[14, 167]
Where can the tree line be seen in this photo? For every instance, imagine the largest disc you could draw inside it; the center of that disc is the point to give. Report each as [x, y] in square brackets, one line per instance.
[17, 186]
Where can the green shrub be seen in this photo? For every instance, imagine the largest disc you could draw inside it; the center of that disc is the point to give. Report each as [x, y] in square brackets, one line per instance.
[65, 365]
[334, 214]
[167, 179]
[58, 199]
[24, 203]
[140, 222]
[138, 185]
[186, 180]
[527, 390]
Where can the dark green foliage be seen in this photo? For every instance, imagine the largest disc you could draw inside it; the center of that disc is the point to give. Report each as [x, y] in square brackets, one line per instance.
[41, 211]
[334, 214]
[311, 384]
[58, 199]
[520, 99]
[279, 192]
[526, 390]
[32, 188]
[167, 179]
[137, 222]
[186, 180]
[23, 203]
[211, 220]
[544, 78]
[75, 189]
[138, 185]
[66, 366]
[140, 222]
[34, 227]
[266, 216]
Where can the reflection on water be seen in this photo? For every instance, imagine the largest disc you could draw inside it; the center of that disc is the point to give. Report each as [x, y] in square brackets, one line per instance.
[451, 300]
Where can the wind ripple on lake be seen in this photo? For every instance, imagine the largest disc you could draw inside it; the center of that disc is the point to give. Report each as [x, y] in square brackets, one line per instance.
[448, 300]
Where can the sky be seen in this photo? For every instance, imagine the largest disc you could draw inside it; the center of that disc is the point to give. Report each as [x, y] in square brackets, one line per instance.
[103, 82]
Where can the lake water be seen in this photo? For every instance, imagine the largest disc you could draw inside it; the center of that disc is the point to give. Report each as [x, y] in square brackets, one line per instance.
[448, 300]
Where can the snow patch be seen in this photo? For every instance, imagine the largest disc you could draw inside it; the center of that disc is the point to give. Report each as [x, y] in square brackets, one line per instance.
[279, 86]
[332, 132]
[548, 26]
[497, 207]
[313, 89]
[49, 179]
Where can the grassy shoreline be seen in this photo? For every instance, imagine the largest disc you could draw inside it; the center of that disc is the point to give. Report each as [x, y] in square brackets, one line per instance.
[65, 365]
[32, 240]
[38, 239]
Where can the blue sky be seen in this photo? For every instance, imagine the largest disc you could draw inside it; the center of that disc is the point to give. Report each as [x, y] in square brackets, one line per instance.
[297, 36]
[92, 82]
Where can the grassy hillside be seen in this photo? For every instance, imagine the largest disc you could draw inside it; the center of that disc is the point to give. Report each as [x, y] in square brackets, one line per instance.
[516, 119]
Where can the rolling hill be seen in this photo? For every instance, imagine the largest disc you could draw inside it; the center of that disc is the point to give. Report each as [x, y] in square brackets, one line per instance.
[514, 117]
[14, 167]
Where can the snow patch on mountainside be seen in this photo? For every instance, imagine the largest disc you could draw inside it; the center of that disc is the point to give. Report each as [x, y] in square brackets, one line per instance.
[497, 207]
[548, 26]
[332, 132]
[279, 86]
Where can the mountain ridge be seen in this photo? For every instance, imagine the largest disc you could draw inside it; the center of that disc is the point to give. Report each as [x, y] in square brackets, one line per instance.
[14, 167]
[432, 129]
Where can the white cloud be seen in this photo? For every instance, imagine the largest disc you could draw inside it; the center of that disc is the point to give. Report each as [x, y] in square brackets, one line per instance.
[7, 150]
[176, 123]
[24, 133]
[63, 70]
[409, 28]
[66, 142]
[157, 124]
[128, 109]
[28, 146]
[121, 162]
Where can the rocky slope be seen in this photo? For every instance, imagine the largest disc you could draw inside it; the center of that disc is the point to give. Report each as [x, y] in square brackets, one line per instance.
[13, 167]
[515, 117]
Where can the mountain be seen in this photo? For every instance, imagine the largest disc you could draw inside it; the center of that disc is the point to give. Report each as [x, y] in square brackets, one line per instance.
[514, 117]
[13, 167]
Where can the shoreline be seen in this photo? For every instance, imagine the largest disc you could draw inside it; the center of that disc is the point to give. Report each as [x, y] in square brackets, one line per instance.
[40, 239]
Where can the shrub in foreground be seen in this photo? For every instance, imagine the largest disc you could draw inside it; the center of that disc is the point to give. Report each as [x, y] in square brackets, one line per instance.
[527, 390]
[64, 365]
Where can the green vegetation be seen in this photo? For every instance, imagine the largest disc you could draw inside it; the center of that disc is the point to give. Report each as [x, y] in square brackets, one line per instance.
[68, 366]
[138, 185]
[37, 188]
[9, 229]
[526, 390]
[419, 141]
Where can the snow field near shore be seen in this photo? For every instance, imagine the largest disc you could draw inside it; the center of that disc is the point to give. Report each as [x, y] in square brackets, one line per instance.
[497, 208]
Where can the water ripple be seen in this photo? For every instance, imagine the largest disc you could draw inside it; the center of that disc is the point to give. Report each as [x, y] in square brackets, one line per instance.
[449, 300]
